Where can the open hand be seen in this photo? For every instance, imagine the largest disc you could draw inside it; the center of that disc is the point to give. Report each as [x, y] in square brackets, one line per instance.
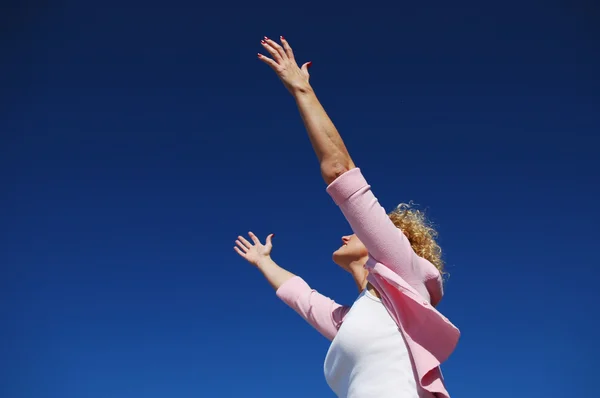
[254, 252]
[284, 64]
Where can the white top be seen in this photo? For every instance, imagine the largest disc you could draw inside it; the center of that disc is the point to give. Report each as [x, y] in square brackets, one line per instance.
[368, 357]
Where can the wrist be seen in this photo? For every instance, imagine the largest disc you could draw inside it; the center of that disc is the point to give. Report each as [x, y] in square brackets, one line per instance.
[301, 89]
[264, 263]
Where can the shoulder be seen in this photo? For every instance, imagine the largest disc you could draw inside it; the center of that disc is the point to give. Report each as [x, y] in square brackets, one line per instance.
[433, 281]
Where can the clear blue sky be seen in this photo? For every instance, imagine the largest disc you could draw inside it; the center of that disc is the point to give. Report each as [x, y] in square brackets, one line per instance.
[138, 139]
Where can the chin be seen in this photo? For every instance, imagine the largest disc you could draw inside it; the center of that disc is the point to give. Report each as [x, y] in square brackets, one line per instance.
[338, 256]
[335, 256]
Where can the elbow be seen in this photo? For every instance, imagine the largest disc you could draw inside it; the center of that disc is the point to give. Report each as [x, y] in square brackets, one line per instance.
[331, 170]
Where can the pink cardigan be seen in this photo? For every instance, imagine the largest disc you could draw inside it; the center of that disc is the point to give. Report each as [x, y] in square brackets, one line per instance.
[409, 285]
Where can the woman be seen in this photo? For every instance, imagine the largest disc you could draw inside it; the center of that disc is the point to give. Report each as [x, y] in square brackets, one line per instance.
[392, 340]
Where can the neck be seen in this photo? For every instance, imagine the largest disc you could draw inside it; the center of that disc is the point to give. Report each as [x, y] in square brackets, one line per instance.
[358, 272]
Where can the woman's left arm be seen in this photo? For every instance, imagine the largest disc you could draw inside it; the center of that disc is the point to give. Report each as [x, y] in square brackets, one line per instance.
[384, 241]
[331, 152]
[334, 159]
[368, 219]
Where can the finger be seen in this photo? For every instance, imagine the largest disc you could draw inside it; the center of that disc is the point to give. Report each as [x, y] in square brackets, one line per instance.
[268, 61]
[241, 253]
[241, 246]
[274, 53]
[277, 47]
[254, 238]
[287, 48]
[245, 242]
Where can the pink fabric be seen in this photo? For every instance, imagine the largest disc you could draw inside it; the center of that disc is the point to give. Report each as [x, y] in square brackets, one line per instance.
[409, 285]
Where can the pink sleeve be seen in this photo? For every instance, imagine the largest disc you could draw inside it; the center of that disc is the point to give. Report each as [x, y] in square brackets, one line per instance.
[371, 224]
[321, 312]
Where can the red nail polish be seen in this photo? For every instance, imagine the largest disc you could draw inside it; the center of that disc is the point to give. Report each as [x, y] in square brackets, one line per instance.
[266, 38]
[282, 38]
[259, 55]
[309, 64]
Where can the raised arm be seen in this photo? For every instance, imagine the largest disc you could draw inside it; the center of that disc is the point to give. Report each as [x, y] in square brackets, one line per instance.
[324, 314]
[368, 219]
[384, 241]
[331, 152]
[327, 143]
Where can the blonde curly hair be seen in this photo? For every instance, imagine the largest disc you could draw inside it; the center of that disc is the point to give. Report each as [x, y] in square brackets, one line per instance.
[420, 233]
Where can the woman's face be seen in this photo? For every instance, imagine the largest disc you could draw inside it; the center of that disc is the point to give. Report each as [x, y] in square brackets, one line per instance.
[352, 250]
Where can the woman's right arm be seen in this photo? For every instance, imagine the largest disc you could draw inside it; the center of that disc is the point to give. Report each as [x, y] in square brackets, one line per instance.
[320, 311]
[273, 273]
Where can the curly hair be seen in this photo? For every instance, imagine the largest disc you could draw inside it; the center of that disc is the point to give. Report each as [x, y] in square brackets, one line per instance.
[420, 233]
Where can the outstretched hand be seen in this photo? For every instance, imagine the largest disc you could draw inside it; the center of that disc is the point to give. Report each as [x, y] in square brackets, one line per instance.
[284, 64]
[255, 252]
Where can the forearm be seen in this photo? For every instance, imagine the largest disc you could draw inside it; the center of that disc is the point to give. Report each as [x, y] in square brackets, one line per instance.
[275, 275]
[331, 152]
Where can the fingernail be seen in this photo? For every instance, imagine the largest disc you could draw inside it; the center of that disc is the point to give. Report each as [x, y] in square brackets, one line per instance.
[272, 236]
[266, 38]
[309, 64]
[259, 55]
[262, 41]
[282, 38]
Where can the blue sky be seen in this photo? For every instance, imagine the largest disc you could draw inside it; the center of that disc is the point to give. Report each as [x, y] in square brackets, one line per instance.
[138, 139]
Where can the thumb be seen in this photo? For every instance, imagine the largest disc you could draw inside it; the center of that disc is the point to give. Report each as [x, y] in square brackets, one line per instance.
[269, 240]
[305, 67]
